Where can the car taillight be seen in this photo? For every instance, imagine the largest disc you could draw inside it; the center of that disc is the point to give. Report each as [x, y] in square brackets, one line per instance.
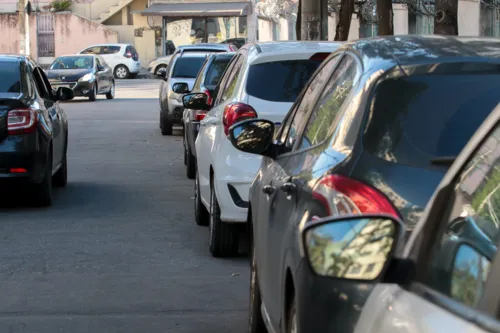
[128, 54]
[209, 96]
[236, 112]
[320, 56]
[200, 115]
[342, 195]
[21, 121]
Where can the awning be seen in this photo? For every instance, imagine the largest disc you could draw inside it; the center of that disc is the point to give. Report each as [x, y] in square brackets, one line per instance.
[198, 9]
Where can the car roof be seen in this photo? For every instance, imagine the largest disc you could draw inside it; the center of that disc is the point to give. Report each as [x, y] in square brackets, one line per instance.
[389, 51]
[11, 57]
[283, 50]
[196, 54]
[109, 44]
[204, 45]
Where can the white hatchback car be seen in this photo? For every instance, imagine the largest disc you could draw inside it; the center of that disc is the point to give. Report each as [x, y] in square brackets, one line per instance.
[263, 79]
[122, 58]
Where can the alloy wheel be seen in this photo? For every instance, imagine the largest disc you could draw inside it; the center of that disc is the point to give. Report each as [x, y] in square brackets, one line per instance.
[121, 73]
[112, 92]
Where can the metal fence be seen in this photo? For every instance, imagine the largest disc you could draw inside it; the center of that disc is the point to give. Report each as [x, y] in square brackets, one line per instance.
[45, 34]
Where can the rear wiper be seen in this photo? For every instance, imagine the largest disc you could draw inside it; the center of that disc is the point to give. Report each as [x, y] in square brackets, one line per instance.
[444, 160]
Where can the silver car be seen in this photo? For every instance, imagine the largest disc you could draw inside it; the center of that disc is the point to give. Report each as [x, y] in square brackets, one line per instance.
[178, 80]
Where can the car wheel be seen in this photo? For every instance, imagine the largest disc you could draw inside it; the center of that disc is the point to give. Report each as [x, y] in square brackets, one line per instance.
[190, 164]
[158, 69]
[43, 191]
[223, 240]
[292, 318]
[185, 149]
[201, 215]
[111, 93]
[255, 320]
[93, 93]
[60, 179]
[121, 72]
[166, 126]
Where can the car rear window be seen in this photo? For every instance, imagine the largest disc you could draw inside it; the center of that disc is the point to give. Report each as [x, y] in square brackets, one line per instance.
[416, 119]
[187, 67]
[280, 81]
[10, 72]
[217, 68]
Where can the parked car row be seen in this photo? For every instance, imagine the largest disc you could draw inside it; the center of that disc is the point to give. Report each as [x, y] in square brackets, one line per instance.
[323, 156]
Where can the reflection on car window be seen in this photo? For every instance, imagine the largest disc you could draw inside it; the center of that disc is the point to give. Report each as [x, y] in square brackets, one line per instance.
[10, 72]
[215, 71]
[330, 101]
[461, 261]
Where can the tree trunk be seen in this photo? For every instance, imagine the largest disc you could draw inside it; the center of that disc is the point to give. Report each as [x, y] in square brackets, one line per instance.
[385, 17]
[344, 17]
[298, 24]
[446, 18]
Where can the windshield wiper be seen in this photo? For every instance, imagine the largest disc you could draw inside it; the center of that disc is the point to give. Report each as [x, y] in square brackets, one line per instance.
[444, 160]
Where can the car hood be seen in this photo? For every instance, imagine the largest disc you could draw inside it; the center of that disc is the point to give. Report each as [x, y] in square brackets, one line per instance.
[161, 60]
[67, 75]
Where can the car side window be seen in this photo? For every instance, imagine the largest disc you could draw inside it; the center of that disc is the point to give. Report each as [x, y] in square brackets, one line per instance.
[467, 241]
[92, 50]
[303, 108]
[98, 63]
[43, 87]
[330, 102]
[110, 49]
[231, 81]
[225, 78]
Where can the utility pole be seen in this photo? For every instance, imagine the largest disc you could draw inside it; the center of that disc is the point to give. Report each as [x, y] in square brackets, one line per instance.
[23, 23]
[310, 19]
[252, 23]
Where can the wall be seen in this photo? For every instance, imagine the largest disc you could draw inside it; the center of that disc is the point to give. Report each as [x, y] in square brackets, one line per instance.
[145, 46]
[468, 18]
[265, 28]
[125, 33]
[72, 33]
[9, 43]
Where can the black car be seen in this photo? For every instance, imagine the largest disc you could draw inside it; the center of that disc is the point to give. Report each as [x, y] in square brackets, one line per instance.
[33, 128]
[87, 75]
[238, 42]
[206, 82]
[374, 131]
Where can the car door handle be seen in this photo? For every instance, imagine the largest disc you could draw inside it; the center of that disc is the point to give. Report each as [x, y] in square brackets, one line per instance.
[288, 187]
[268, 189]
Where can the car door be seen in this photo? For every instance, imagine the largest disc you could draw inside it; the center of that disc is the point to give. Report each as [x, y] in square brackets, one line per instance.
[284, 183]
[52, 106]
[103, 82]
[112, 55]
[207, 135]
[458, 266]
[107, 70]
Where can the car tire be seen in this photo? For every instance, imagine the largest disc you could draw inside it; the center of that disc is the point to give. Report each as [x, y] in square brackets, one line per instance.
[60, 179]
[190, 164]
[43, 191]
[201, 214]
[157, 69]
[223, 241]
[166, 126]
[255, 320]
[111, 93]
[291, 326]
[121, 72]
[93, 93]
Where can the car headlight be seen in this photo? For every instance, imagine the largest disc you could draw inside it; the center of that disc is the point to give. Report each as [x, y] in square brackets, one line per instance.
[87, 77]
[173, 95]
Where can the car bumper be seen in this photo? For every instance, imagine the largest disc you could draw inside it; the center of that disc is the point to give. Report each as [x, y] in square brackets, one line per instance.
[23, 156]
[135, 68]
[175, 111]
[192, 128]
[328, 305]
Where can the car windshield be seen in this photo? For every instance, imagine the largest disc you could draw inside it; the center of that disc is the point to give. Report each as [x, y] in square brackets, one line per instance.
[216, 70]
[280, 81]
[187, 67]
[10, 72]
[417, 119]
[75, 62]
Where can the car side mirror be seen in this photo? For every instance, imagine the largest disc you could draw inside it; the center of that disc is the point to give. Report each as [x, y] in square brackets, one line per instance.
[254, 136]
[180, 88]
[196, 101]
[162, 72]
[64, 94]
[355, 247]
[100, 69]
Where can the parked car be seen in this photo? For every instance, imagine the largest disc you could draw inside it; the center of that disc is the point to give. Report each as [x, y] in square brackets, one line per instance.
[263, 79]
[122, 58]
[183, 70]
[447, 270]
[206, 82]
[160, 64]
[238, 42]
[33, 128]
[87, 75]
[374, 132]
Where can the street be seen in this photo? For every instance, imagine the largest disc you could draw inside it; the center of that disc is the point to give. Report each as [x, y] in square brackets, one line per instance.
[119, 250]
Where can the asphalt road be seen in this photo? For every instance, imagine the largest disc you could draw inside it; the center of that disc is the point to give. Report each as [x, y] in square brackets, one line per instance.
[119, 250]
